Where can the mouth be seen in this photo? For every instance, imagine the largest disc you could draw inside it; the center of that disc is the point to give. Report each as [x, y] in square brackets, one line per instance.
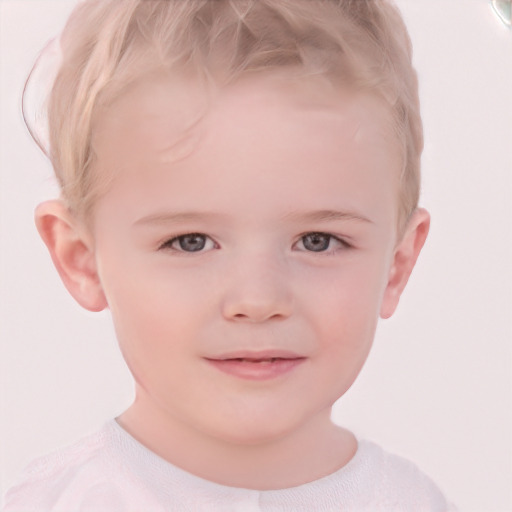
[257, 355]
[259, 361]
[257, 366]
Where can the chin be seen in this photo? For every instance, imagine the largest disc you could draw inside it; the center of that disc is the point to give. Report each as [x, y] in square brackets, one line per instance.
[254, 431]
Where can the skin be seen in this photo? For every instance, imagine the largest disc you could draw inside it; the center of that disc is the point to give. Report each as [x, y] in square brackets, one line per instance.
[251, 178]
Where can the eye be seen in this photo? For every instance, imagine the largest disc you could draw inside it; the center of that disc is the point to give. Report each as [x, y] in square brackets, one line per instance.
[322, 242]
[191, 242]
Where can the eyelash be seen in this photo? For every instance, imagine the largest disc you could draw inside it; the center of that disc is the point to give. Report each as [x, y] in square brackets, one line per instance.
[344, 245]
[168, 244]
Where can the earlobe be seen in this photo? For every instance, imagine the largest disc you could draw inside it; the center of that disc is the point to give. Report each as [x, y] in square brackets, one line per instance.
[72, 254]
[405, 256]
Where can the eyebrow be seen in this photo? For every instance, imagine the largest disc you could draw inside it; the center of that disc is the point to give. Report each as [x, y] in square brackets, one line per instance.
[175, 217]
[325, 216]
[295, 216]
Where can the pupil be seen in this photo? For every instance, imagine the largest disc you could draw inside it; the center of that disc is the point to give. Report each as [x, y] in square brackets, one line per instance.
[316, 242]
[192, 243]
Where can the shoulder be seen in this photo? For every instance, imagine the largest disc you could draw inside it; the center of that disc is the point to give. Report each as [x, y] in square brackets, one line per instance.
[68, 478]
[396, 483]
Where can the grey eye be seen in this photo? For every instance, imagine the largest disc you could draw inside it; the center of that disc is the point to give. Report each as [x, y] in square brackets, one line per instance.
[316, 242]
[192, 242]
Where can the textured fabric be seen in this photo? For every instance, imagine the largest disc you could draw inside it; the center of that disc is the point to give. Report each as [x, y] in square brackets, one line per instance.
[112, 472]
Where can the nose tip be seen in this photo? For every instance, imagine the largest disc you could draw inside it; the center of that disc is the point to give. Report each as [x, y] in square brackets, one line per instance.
[257, 297]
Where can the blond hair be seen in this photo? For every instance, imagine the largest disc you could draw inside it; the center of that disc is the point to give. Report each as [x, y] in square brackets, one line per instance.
[109, 44]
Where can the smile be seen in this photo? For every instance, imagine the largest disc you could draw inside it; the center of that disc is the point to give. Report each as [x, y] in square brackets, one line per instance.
[257, 366]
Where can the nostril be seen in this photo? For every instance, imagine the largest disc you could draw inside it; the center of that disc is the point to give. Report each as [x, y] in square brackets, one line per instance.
[258, 315]
[258, 304]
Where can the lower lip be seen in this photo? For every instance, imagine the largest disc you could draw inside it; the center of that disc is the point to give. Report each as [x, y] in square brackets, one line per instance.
[256, 371]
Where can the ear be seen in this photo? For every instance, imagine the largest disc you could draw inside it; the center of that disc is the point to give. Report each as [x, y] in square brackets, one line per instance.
[404, 258]
[72, 252]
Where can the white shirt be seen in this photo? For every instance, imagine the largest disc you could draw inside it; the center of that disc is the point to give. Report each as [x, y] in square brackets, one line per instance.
[112, 472]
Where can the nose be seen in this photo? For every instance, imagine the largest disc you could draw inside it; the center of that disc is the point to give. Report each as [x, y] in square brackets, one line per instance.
[258, 290]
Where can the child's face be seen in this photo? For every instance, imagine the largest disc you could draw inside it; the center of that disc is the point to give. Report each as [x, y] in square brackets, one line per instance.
[269, 166]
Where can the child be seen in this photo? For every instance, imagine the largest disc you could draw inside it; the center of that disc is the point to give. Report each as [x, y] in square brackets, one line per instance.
[240, 183]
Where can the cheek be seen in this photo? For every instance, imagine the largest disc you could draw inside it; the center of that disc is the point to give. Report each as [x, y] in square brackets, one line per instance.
[154, 332]
[346, 297]
[344, 309]
[156, 306]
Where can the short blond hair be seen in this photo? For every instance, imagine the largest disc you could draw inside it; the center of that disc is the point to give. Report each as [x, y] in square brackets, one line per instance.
[109, 44]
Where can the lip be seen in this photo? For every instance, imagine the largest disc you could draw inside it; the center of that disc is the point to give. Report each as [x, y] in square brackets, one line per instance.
[260, 365]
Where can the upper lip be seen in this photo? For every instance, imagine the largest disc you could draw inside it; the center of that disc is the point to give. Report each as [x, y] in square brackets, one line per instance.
[257, 355]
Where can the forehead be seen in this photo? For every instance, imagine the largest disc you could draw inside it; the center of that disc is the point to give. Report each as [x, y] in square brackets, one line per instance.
[258, 127]
[158, 112]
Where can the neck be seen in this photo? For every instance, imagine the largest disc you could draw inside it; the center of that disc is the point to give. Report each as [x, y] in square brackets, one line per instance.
[316, 449]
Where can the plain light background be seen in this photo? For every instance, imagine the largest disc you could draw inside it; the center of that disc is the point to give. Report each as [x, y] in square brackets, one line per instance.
[437, 387]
